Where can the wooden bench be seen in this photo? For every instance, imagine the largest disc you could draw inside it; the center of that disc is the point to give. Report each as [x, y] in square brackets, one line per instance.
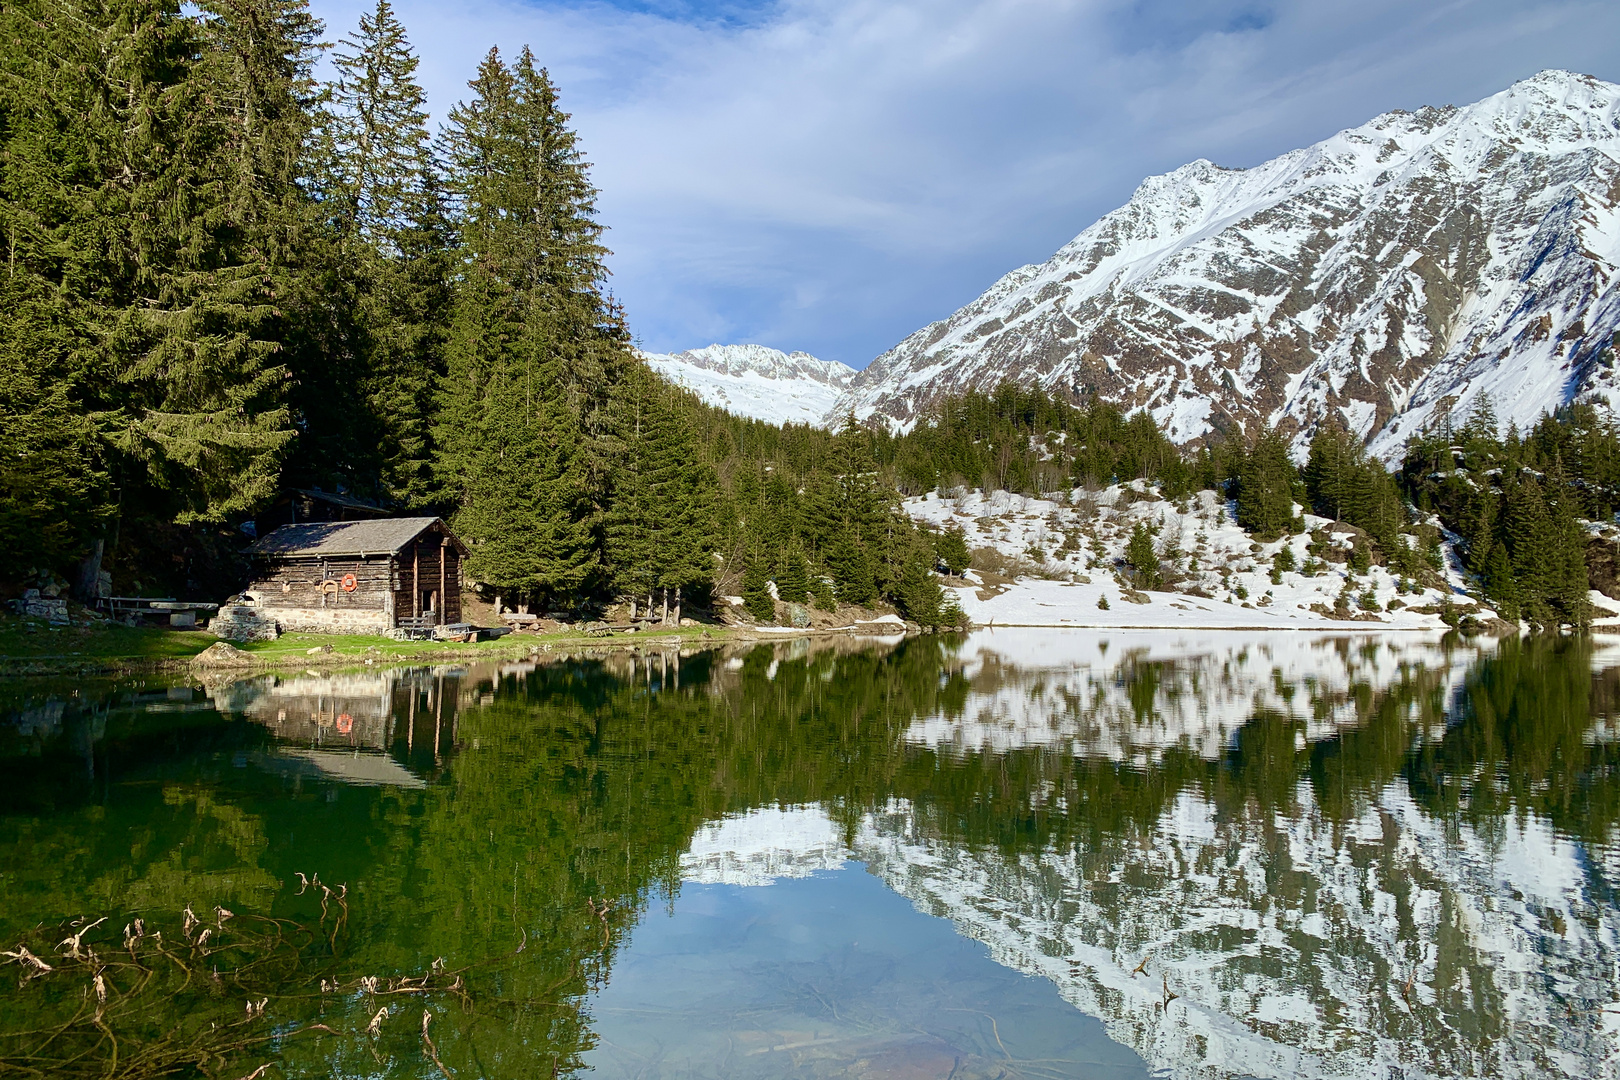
[417, 627]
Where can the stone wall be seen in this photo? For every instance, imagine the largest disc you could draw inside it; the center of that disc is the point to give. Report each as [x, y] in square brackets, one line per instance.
[250, 622]
[331, 620]
[244, 622]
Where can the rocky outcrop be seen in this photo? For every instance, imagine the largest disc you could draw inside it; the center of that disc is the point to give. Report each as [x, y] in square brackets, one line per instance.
[1384, 278]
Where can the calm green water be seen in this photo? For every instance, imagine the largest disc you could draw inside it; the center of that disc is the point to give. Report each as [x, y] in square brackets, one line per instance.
[1015, 854]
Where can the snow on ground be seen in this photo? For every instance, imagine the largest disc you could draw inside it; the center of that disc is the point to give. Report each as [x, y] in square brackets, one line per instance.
[1074, 543]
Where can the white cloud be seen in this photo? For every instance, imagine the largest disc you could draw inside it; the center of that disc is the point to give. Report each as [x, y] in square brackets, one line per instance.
[831, 174]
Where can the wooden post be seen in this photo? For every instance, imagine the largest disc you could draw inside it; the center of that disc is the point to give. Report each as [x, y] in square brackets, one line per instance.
[438, 716]
[442, 603]
[416, 578]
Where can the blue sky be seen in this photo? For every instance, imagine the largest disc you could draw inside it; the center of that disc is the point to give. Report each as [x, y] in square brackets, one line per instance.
[830, 175]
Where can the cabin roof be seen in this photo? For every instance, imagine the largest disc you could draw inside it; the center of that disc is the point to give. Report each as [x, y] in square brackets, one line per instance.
[384, 536]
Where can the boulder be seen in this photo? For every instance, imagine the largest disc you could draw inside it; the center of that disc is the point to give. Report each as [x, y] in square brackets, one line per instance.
[222, 654]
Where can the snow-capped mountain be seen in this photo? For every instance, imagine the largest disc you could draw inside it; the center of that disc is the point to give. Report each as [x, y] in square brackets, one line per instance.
[1386, 276]
[757, 382]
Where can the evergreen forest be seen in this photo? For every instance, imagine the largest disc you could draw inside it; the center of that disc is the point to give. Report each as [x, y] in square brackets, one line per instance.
[226, 278]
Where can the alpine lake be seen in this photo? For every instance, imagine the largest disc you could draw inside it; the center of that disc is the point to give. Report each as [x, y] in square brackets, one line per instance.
[1014, 853]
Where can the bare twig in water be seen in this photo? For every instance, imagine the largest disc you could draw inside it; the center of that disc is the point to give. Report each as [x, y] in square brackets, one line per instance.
[34, 964]
[427, 1044]
[73, 941]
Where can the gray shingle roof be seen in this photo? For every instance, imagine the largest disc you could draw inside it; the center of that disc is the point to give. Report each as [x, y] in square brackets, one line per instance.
[383, 536]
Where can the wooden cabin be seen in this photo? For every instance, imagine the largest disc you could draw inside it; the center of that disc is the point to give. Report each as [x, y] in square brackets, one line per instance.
[358, 577]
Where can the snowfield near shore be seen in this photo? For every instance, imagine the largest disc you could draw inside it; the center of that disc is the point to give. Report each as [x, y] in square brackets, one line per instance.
[1073, 548]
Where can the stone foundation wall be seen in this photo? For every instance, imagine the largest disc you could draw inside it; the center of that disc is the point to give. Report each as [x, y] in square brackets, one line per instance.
[250, 622]
[330, 621]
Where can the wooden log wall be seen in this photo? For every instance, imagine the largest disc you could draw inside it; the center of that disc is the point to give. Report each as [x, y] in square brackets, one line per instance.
[317, 583]
[419, 565]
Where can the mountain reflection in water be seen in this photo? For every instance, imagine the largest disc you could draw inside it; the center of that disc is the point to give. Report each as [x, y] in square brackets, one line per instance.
[1343, 856]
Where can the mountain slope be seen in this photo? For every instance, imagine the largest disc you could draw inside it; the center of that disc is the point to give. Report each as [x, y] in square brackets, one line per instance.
[1382, 277]
[757, 382]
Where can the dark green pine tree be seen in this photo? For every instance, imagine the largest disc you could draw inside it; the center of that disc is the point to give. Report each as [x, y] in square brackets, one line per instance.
[951, 547]
[151, 204]
[1530, 538]
[848, 518]
[664, 521]
[756, 591]
[793, 576]
[387, 283]
[1568, 584]
[1501, 586]
[509, 435]
[1266, 487]
[1142, 558]
[917, 591]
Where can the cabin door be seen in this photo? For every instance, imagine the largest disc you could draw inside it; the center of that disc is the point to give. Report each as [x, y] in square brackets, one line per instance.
[428, 601]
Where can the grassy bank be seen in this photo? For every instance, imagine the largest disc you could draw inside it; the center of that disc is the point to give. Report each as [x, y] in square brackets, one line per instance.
[27, 647]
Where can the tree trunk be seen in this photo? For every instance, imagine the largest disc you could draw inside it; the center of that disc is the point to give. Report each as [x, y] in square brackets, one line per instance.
[663, 616]
[632, 609]
[677, 607]
[89, 583]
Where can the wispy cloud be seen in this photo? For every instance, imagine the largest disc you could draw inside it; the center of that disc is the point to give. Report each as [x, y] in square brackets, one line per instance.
[831, 174]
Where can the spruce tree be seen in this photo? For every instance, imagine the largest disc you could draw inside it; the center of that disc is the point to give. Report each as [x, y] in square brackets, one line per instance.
[793, 579]
[951, 547]
[664, 518]
[756, 592]
[152, 214]
[918, 591]
[1265, 487]
[387, 267]
[1142, 558]
[534, 344]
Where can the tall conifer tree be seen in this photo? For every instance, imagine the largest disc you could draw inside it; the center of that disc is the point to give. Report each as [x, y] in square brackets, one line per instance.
[535, 345]
[391, 253]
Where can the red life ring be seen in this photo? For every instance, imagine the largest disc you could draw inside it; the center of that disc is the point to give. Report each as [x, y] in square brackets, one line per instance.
[345, 723]
[349, 583]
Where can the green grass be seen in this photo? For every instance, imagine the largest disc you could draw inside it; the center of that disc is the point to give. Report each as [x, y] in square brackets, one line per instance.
[108, 642]
[114, 642]
[361, 646]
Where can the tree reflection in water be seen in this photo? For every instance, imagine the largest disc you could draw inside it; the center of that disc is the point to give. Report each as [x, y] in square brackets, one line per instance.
[1340, 854]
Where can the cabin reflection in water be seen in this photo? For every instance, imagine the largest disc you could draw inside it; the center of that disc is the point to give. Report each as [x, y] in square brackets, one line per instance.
[385, 727]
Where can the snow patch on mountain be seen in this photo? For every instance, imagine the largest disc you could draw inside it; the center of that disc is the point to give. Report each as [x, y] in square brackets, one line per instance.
[757, 382]
[1073, 546]
[1384, 278]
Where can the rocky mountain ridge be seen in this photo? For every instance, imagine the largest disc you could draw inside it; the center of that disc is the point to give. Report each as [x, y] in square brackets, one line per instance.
[1383, 278]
